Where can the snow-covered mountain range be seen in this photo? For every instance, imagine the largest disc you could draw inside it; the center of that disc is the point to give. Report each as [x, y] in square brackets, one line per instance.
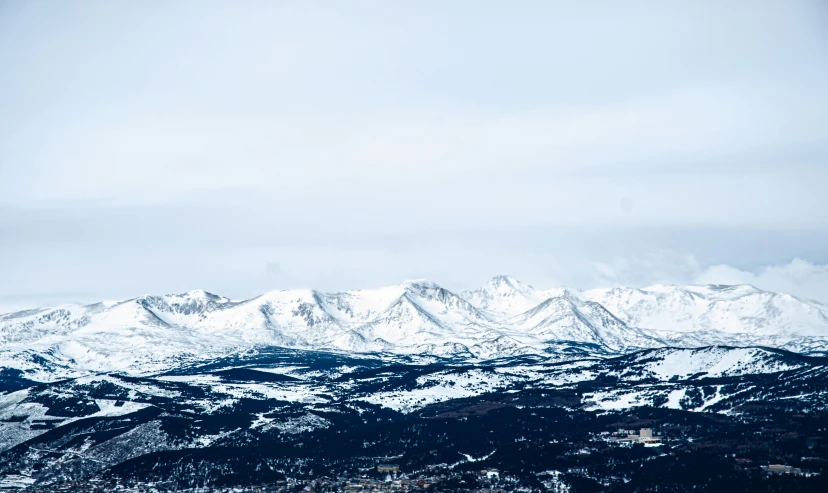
[501, 318]
[130, 388]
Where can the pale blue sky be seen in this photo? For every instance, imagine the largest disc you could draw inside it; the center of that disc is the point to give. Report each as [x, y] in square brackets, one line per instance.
[164, 146]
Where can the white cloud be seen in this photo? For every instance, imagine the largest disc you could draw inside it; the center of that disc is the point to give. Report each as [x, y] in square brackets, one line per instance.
[799, 277]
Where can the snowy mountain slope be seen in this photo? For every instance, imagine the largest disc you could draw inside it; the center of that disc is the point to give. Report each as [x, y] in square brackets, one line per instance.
[140, 334]
[689, 316]
[502, 318]
[568, 319]
[729, 309]
[505, 296]
[708, 362]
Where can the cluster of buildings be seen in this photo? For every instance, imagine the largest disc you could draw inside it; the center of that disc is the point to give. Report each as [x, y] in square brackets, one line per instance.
[783, 469]
[644, 436]
[399, 485]
[389, 468]
[365, 484]
[347, 486]
[368, 482]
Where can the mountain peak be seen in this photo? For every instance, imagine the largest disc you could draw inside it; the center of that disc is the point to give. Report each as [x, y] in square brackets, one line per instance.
[199, 294]
[504, 280]
[504, 284]
[420, 284]
[504, 295]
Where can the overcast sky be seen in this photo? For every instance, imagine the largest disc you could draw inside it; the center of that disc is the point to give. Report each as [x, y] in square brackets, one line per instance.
[239, 147]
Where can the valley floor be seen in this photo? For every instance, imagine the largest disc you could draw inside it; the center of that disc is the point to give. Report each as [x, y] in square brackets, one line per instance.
[674, 420]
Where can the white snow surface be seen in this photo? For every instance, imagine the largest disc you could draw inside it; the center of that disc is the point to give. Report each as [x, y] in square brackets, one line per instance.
[504, 317]
[714, 362]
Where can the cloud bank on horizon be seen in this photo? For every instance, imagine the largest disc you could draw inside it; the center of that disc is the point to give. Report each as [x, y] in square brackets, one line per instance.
[247, 147]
